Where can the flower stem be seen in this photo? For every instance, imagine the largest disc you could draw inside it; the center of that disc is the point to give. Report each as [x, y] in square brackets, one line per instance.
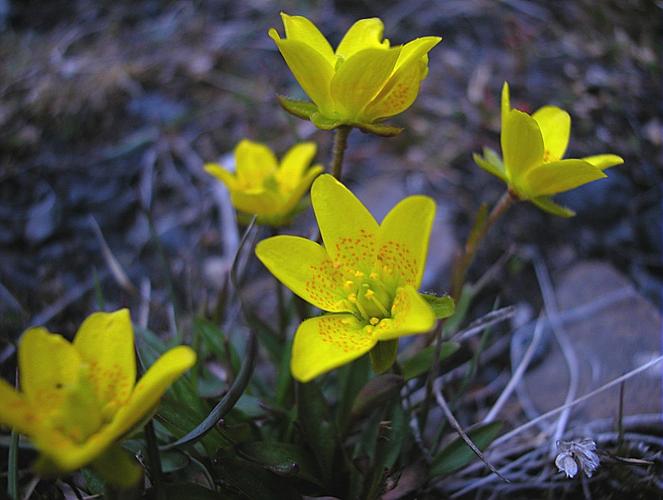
[477, 235]
[340, 144]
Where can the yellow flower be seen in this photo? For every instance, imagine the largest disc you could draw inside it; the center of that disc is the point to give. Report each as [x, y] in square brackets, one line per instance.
[262, 187]
[362, 82]
[533, 148]
[78, 399]
[366, 275]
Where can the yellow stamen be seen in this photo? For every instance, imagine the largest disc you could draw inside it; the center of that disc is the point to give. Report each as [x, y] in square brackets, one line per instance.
[374, 321]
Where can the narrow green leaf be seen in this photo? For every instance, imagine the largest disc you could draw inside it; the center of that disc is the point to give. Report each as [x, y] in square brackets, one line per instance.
[421, 362]
[351, 378]
[376, 392]
[190, 491]
[457, 454]
[284, 459]
[443, 306]
[12, 467]
[318, 430]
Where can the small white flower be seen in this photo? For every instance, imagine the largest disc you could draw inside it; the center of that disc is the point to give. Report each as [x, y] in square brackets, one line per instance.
[574, 455]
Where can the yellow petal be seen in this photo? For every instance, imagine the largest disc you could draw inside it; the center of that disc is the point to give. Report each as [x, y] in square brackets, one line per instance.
[555, 126]
[313, 72]
[80, 414]
[254, 162]
[305, 268]
[505, 103]
[48, 366]
[547, 205]
[16, 412]
[410, 314]
[364, 34]
[403, 239]
[222, 174]
[298, 192]
[348, 229]
[604, 161]
[301, 29]
[326, 342]
[402, 88]
[414, 50]
[361, 77]
[522, 144]
[559, 176]
[258, 202]
[149, 389]
[105, 341]
[295, 162]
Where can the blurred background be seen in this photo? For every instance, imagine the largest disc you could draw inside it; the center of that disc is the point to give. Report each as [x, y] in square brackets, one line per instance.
[109, 110]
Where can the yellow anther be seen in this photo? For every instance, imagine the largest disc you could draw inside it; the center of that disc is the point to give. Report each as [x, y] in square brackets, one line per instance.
[369, 294]
[352, 297]
[373, 275]
[374, 321]
[349, 284]
[359, 274]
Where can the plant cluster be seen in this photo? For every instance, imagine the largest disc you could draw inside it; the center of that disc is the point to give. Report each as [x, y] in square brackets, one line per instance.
[364, 430]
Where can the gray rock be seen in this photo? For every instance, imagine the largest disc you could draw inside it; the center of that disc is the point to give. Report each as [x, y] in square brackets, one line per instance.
[608, 344]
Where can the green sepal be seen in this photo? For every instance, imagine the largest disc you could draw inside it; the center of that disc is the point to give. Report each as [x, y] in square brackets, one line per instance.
[116, 467]
[383, 355]
[378, 129]
[300, 109]
[324, 123]
[443, 306]
[546, 204]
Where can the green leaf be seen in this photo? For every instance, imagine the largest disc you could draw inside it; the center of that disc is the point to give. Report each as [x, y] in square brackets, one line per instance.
[300, 109]
[351, 378]
[443, 306]
[283, 459]
[421, 362]
[378, 129]
[383, 355]
[318, 430]
[376, 392]
[213, 341]
[248, 480]
[190, 491]
[457, 454]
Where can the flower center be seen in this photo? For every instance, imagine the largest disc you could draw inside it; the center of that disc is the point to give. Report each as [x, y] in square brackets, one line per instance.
[369, 296]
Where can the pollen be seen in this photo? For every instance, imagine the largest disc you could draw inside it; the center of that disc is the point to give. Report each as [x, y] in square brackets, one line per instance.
[373, 275]
[352, 297]
[349, 285]
[359, 274]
